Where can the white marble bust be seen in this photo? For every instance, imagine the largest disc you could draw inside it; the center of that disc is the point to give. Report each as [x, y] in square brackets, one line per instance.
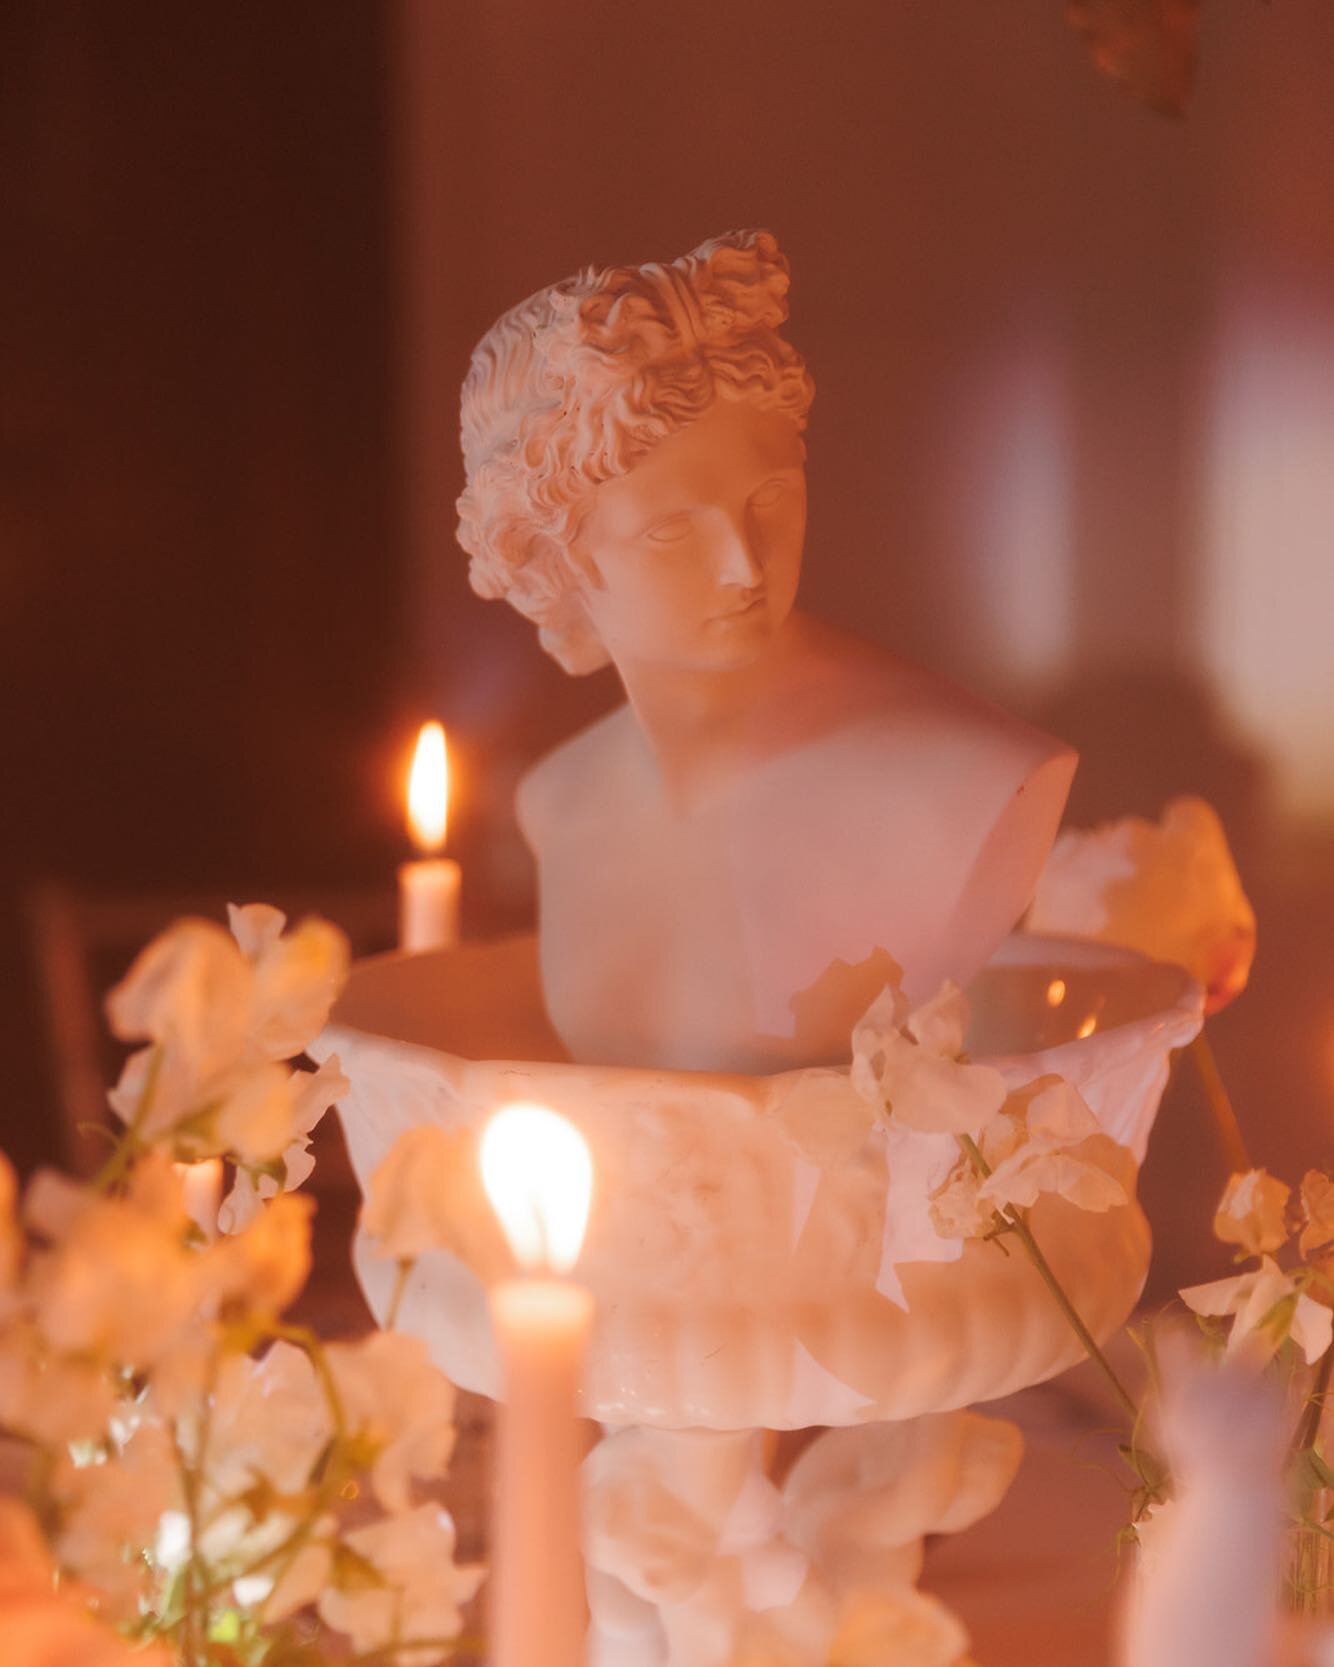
[728, 861]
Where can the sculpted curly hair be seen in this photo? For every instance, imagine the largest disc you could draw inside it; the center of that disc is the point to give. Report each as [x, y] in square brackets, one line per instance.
[575, 385]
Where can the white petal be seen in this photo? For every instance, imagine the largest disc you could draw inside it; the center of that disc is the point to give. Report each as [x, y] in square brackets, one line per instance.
[938, 1095]
[1222, 1296]
[255, 926]
[256, 1119]
[1058, 1113]
[191, 989]
[939, 1025]
[1312, 1328]
[297, 979]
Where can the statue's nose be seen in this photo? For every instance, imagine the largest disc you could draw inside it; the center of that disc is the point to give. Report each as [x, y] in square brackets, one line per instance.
[738, 562]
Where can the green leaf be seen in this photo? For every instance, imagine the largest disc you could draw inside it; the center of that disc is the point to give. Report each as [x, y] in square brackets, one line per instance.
[1311, 1471]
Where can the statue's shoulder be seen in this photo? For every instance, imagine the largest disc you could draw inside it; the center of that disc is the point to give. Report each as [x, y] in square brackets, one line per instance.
[908, 727]
[576, 781]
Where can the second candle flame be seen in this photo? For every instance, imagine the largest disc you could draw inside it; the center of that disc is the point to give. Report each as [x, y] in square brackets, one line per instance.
[538, 1174]
[428, 789]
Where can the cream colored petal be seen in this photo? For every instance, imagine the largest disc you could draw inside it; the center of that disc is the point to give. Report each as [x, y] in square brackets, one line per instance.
[1023, 1178]
[301, 1582]
[1219, 1297]
[255, 926]
[937, 1095]
[1264, 1317]
[879, 1023]
[822, 1114]
[1057, 1113]
[1317, 1210]
[265, 1266]
[1168, 889]
[256, 1118]
[1312, 1328]
[940, 1025]
[1252, 1212]
[296, 981]
[190, 989]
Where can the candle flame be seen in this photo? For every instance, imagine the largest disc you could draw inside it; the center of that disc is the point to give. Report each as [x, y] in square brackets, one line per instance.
[538, 1174]
[428, 789]
[1056, 992]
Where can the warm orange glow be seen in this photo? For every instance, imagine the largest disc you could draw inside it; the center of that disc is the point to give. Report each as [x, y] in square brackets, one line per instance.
[1088, 1027]
[538, 1173]
[428, 790]
[1056, 992]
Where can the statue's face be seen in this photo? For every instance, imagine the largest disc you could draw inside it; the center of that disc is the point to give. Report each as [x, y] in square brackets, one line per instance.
[693, 557]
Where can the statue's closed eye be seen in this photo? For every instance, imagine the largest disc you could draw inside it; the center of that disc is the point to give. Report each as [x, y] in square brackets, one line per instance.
[671, 529]
[768, 494]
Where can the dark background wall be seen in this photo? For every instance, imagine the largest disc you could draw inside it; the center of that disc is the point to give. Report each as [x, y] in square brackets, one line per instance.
[1076, 396]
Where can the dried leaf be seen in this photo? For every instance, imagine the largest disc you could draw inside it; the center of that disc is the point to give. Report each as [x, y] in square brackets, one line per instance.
[1149, 46]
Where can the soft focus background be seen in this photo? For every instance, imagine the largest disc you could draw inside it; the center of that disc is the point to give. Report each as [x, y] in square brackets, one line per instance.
[1072, 441]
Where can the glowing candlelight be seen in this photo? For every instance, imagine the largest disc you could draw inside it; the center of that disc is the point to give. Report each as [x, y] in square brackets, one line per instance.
[538, 1174]
[428, 889]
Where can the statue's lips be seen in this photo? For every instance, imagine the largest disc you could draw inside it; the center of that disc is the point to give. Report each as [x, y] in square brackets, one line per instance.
[745, 611]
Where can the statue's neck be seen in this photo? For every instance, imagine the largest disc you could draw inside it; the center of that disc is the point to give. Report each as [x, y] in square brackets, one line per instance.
[702, 725]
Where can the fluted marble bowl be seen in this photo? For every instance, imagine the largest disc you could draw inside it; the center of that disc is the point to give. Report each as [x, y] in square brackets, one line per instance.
[748, 1272]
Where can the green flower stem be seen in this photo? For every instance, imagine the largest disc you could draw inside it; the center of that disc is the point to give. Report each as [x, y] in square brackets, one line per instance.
[404, 1272]
[309, 1343]
[283, 1555]
[1226, 1124]
[1016, 1221]
[127, 1148]
[198, 1589]
[1309, 1427]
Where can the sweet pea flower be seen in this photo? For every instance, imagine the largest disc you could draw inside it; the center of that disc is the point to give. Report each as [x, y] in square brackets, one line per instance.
[111, 1510]
[117, 1280]
[296, 976]
[401, 1583]
[300, 1583]
[409, 1208]
[189, 993]
[1317, 1211]
[218, 1011]
[907, 1064]
[404, 1436]
[43, 1623]
[1045, 1140]
[424, 1196]
[270, 1426]
[270, 1423]
[1252, 1212]
[1267, 1307]
[312, 1094]
[50, 1398]
[1168, 889]
[263, 1268]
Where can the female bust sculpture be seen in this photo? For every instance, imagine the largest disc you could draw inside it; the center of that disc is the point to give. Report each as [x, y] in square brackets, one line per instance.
[729, 861]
